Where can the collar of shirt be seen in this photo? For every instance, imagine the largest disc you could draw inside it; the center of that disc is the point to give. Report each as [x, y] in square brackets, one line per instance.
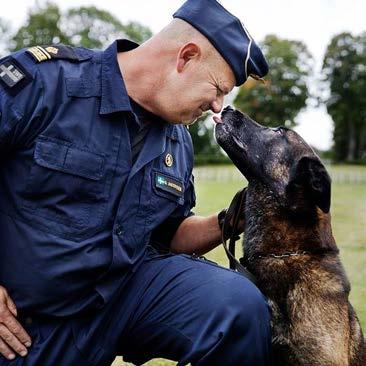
[114, 94]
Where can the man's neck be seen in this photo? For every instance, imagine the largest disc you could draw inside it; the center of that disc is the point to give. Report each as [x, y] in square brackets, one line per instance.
[140, 80]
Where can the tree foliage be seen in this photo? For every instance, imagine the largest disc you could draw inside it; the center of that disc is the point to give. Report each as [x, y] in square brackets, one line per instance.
[282, 97]
[84, 26]
[91, 27]
[137, 32]
[40, 28]
[95, 28]
[344, 69]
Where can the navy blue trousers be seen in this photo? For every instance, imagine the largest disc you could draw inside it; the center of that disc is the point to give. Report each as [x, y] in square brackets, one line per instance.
[175, 307]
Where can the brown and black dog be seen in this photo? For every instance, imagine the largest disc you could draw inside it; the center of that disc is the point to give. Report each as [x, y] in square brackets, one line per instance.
[289, 245]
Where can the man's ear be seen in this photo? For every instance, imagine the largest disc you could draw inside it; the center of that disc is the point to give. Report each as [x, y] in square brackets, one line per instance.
[187, 53]
[312, 174]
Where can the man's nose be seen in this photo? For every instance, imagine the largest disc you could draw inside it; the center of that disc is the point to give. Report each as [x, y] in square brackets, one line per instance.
[217, 104]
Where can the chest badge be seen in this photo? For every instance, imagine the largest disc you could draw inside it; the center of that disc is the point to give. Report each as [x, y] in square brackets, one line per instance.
[169, 160]
[169, 184]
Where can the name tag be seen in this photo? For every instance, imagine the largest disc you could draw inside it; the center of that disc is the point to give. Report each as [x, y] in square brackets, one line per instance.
[169, 184]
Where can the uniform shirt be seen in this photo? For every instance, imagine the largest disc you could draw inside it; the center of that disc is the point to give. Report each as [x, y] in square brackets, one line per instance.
[138, 130]
[76, 214]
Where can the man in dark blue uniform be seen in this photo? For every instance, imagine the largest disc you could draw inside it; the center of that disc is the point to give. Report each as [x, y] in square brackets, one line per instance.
[96, 171]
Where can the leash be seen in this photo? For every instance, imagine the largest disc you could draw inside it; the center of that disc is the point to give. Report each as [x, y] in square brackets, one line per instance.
[234, 213]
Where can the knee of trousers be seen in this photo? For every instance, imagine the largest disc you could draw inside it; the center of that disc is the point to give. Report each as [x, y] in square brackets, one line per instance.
[242, 310]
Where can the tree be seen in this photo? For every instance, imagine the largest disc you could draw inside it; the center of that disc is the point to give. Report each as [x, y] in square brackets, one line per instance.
[85, 26]
[41, 28]
[137, 32]
[95, 28]
[285, 92]
[344, 69]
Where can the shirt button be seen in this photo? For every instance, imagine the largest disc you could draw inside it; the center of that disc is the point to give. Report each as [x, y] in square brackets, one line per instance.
[118, 230]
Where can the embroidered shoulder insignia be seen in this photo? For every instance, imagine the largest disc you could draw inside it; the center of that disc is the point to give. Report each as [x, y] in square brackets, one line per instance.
[13, 76]
[44, 53]
[52, 50]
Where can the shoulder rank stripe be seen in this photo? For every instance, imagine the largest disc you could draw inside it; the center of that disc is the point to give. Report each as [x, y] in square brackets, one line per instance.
[38, 54]
[44, 53]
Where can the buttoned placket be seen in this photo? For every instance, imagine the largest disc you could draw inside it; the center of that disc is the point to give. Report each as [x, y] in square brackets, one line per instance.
[154, 146]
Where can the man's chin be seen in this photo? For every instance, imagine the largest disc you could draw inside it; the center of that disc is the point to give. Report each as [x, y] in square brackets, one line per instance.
[187, 121]
[191, 121]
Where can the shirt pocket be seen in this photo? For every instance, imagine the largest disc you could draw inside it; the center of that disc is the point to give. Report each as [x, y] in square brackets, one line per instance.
[66, 188]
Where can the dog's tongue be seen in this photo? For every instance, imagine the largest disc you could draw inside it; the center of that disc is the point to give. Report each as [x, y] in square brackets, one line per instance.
[217, 119]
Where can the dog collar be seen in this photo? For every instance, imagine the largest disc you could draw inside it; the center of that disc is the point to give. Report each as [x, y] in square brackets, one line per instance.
[288, 255]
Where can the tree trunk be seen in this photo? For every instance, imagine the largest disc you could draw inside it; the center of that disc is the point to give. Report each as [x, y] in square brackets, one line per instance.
[351, 142]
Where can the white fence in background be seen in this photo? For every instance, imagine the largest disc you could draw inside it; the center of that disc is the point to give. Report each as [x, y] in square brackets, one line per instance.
[229, 174]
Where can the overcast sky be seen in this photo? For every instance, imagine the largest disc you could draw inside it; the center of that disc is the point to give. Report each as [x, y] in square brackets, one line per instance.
[313, 22]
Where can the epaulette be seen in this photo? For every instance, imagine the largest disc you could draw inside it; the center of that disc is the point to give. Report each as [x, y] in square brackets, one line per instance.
[60, 51]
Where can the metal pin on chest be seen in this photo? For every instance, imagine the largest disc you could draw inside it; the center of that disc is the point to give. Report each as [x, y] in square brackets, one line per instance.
[169, 160]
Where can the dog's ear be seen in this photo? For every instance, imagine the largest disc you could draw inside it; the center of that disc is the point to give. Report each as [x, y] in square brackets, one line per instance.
[312, 175]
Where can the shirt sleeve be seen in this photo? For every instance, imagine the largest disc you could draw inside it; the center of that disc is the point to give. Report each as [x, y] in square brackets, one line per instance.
[162, 236]
[21, 96]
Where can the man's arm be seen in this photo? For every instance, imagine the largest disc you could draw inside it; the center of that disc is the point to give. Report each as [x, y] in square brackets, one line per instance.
[197, 234]
[21, 97]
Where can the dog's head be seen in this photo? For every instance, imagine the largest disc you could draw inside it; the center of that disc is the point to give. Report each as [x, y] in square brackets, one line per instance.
[276, 159]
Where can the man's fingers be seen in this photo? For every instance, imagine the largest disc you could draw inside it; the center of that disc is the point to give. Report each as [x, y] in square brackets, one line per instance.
[13, 338]
[17, 330]
[7, 319]
[6, 351]
[11, 342]
[11, 306]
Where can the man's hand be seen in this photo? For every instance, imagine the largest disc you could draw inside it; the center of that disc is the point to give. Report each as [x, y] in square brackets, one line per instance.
[13, 338]
[236, 211]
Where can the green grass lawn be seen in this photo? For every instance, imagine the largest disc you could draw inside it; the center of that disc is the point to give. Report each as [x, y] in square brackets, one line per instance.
[349, 228]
